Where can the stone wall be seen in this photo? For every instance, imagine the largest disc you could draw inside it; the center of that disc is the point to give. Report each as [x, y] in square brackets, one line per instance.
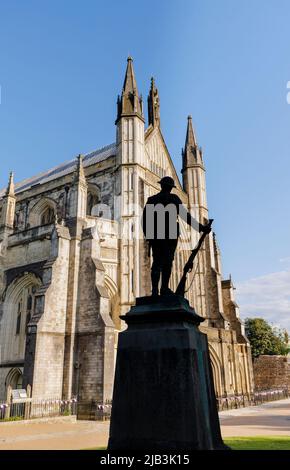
[95, 330]
[271, 372]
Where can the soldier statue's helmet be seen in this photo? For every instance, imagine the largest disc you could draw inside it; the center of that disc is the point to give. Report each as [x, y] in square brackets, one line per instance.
[167, 181]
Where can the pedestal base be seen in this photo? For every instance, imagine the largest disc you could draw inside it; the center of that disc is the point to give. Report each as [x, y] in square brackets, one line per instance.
[164, 397]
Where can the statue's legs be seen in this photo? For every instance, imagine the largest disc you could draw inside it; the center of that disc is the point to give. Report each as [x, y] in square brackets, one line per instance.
[157, 253]
[156, 265]
[155, 276]
[163, 255]
[167, 260]
[166, 273]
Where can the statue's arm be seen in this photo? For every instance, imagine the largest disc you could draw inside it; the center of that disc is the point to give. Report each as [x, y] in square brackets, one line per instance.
[187, 217]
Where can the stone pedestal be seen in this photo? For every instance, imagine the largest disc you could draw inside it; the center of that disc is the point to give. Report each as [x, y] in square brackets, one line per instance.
[164, 396]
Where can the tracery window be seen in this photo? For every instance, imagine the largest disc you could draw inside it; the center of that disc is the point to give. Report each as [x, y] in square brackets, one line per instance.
[18, 384]
[29, 309]
[47, 216]
[19, 315]
[92, 200]
[14, 379]
[24, 309]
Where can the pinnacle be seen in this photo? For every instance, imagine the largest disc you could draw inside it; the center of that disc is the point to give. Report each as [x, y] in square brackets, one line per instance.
[130, 102]
[10, 187]
[79, 172]
[190, 136]
[130, 85]
[192, 154]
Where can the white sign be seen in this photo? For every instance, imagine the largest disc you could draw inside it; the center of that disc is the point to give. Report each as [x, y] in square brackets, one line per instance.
[19, 393]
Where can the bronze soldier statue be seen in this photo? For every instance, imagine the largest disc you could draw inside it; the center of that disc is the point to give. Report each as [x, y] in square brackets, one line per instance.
[161, 229]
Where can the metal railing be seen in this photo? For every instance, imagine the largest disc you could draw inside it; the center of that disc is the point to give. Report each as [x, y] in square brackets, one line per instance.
[36, 408]
[94, 410]
[17, 410]
[52, 407]
[258, 397]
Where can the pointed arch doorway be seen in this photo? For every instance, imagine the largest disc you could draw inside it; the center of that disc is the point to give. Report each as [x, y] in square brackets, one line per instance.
[14, 379]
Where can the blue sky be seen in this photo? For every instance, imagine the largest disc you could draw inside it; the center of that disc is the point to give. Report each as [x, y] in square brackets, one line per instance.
[226, 62]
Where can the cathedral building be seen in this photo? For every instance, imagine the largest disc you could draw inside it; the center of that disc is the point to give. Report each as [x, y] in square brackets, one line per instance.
[73, 259]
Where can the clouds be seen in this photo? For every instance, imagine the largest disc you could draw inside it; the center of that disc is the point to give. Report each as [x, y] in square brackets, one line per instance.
[267, 297]
[285, 260]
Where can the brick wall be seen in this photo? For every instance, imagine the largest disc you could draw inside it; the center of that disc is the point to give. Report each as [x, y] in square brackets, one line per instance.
[272, 372]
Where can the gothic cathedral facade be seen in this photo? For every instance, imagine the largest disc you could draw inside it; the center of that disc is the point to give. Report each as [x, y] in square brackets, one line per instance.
[73, 259]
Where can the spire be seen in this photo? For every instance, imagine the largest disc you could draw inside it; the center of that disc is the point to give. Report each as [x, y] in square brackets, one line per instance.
[190, 135]
[129, 103]
[193, 172]
[8, 206]
[10, 187]
[191, 153]
[130, 81]
[153, 105]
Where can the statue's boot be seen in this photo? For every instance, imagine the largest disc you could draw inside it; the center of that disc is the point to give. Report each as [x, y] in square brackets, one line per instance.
[165, 281]
[166, 291]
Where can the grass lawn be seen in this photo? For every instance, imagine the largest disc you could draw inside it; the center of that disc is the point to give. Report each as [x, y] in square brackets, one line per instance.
[258, 443]
[249, 443]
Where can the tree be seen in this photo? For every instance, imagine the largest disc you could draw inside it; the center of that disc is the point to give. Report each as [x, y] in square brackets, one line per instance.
[283, 340]
[264, 339]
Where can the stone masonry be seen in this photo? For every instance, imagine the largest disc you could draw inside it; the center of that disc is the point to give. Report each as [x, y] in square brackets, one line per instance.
[271, 372]
[73, 259]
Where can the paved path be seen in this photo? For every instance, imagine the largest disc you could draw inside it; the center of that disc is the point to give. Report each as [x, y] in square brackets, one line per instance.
[269, 419]
[67, 433]
[56, 434]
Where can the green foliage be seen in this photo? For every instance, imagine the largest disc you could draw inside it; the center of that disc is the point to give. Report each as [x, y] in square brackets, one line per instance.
[248, 443]
[264, 339]
[13, 418]
[258, 443]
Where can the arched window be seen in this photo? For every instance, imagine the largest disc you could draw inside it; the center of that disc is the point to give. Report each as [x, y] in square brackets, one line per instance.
[18, 309]
[93, 198]
[14, 379]
[29, 307]
[47, 217]
[24, 309]
[18, 382]
[19, 315]
[42, 213]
